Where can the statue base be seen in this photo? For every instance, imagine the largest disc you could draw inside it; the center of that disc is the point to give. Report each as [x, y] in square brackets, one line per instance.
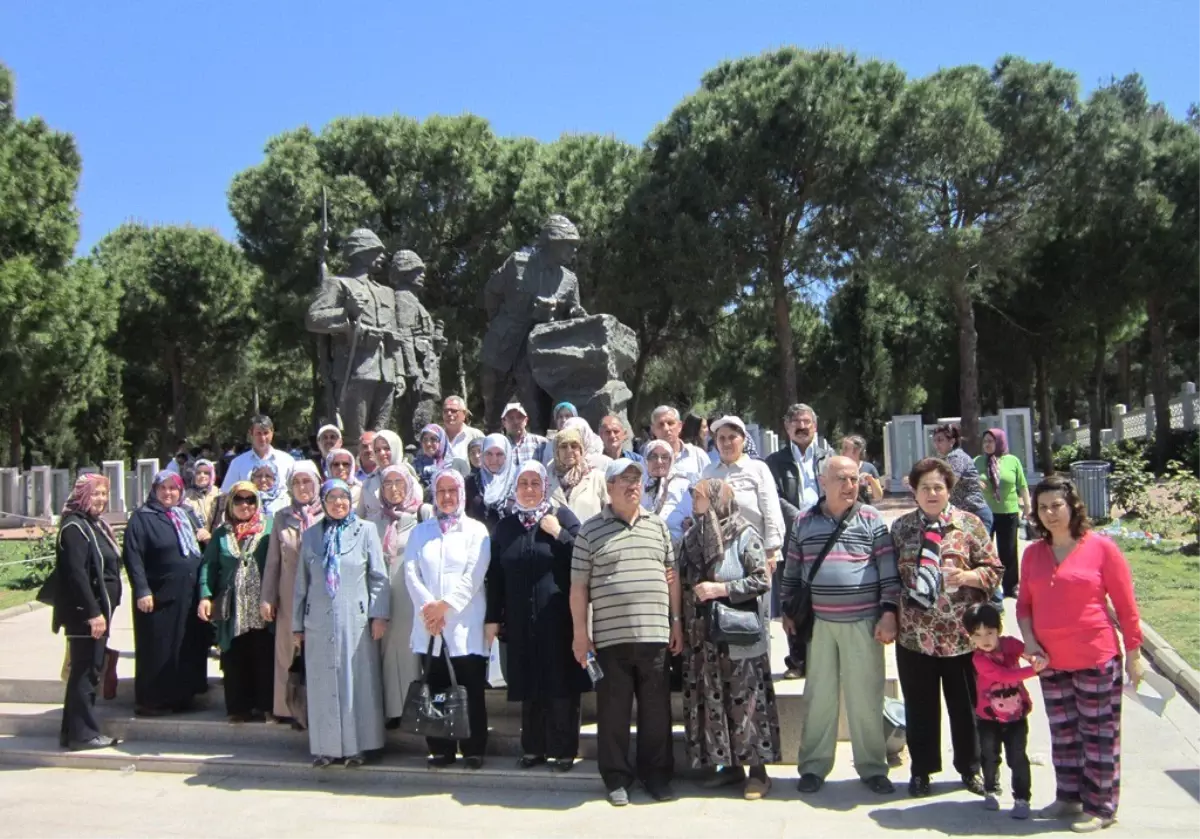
[581, 361]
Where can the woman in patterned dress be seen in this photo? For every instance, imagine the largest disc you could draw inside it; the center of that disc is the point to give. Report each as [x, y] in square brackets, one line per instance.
[947, 564]
[729, 702]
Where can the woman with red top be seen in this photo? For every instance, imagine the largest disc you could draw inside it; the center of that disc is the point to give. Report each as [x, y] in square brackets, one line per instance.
[1067, 579]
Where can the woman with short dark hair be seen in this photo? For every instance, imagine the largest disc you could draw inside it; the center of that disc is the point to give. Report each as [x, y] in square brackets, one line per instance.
[946, 565]
[1068, 578]
[869, 489]
[968, 491]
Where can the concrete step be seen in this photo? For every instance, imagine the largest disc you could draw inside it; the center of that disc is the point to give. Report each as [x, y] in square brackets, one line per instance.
[259, 761]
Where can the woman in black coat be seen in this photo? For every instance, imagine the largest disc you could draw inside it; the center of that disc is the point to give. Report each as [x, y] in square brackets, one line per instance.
[528, 587]
[88, 576]
[171, 643]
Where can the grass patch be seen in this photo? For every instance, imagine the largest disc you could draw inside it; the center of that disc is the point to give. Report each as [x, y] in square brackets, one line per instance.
[1168, 593]
[17, 585]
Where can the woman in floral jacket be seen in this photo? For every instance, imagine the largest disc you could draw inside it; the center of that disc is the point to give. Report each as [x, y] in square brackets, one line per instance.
[947, 564]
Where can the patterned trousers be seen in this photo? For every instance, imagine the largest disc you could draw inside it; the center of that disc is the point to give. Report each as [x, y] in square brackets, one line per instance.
[1084, 707]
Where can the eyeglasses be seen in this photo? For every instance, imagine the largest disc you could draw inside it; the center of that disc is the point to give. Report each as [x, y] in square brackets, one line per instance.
[244, 499]
[629, 480]
[659, 458]
[395, 483]
[452, 411]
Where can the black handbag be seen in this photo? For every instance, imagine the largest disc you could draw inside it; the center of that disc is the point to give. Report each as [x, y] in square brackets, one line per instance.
[441, 715]
[222, 605]
[800, 608]
[727, 624]
[296, 696]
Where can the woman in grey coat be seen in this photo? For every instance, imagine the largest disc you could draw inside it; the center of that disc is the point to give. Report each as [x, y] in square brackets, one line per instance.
[342, 605]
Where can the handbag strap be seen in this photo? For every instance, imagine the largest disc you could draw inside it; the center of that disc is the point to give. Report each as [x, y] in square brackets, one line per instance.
[830, 542]
[429, 660]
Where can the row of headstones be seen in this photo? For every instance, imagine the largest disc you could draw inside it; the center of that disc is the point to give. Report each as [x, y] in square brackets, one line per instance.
[36, 497]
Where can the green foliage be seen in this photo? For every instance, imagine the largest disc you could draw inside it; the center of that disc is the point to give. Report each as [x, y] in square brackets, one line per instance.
[1130, 478]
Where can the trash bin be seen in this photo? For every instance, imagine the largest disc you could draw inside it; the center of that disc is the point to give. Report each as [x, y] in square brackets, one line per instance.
[1091, 481]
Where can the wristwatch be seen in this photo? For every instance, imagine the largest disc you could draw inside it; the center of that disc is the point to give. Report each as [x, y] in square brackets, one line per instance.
[675, 619]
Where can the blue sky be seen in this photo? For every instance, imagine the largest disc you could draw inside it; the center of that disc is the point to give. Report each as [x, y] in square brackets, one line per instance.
[168, 100]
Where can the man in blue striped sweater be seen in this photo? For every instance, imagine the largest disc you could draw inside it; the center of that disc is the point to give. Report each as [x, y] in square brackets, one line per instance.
[855, 598]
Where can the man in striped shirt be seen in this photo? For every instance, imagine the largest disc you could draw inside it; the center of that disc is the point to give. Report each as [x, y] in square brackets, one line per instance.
[855, 597]
[619, 567]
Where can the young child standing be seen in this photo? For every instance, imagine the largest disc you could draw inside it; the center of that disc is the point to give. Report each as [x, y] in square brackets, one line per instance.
[1002, 706]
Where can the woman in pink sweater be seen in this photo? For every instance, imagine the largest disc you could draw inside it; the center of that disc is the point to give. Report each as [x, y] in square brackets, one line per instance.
[1067, 580]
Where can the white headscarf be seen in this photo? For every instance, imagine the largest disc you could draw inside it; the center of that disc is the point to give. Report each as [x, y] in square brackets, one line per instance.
[592, 444]
[498, 487]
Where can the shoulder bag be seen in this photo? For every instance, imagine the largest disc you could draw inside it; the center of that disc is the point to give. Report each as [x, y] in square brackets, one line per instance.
[801, 610]
[737, 626]
[441, 715]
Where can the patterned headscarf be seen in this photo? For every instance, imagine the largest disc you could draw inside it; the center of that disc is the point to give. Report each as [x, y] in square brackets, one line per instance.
[993, 461]
[243, 530]
[720, 526]
[267, 497]
[353, 479]
[927, 582]
[201, 463]
[590, 440]
[443, 447]
[306, 514]
[184, 534]
[498, 486]
[530, 516]
[80, 502]
[448, 520]
[333, 528]
[568, 478]
[412, 493]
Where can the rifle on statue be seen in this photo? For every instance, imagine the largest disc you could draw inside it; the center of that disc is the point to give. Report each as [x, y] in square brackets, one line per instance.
[324, 342]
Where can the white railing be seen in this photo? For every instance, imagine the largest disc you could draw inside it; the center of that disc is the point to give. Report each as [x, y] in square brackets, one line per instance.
[1135, 425]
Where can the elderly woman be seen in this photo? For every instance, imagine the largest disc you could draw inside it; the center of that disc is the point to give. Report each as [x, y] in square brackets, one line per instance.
[574, 481]
[386, 449]
[946, 565]
[666, 491]
[753, 486]
[1007, 494]
[968, 491]
[446, 564]
[329, 437]
[279, 579]
[201, 495]
[271, 492]
[434, 455]
[1068, 628]
[340, 610]
[400, 512]
[88, 573]
[869, 488]
[593, 446]
[490, 489]
[231, 577]
[730, 716]
[342, 465]
[162, 559]
[528, 589]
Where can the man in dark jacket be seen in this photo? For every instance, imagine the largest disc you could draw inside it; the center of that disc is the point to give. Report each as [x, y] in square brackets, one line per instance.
[795, 468]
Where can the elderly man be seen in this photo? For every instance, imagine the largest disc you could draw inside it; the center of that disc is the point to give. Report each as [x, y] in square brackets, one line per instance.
[841, 551]
[620, 567]
[262, 433]
[614, 437]
[690, 460]
[526, 445]
[454, 420]
[795, 468]
[366, 456]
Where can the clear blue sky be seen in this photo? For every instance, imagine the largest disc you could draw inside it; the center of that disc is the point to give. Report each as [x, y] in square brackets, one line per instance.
[168, 100]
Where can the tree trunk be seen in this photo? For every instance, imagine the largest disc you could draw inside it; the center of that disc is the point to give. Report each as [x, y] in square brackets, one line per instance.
[783, 334]
[14, 438]
[1042, 398]
[178, 405]
[968, 369]
[639, 375]
[1096, 394]
[1158, 381]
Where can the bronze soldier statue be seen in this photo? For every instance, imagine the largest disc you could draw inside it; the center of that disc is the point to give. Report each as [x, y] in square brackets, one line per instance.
[359, 316]
[527, 290]
[419, 342]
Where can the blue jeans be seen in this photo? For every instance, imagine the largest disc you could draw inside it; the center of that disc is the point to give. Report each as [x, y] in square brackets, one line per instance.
[989, 520]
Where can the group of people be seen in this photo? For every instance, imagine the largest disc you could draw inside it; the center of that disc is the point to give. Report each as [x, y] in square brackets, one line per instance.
[597, 565]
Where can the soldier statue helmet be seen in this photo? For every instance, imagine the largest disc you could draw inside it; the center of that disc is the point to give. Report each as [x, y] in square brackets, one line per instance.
[407, 268]
[559, 239]
[363, 249]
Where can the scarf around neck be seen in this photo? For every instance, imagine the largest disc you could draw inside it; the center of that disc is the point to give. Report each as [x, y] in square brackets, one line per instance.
[722, 525]
[927, 582]
[530, 517]
[332, 536]
[185, 534]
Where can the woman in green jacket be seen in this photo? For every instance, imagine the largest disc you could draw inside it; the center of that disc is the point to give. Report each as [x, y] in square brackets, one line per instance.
[230, 595]
[1007, 495]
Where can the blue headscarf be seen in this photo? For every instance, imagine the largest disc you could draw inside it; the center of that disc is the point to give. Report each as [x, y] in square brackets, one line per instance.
[333, 535]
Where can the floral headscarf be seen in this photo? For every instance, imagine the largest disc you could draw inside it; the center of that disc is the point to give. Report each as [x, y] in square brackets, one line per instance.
[993, 461]
[412, 493]
[530, 516]
[306, 514]
[333, 535]
[195, 470]
[448, 520]
[721, 525]
[498, 486]
[243, 530]
[443, 447]
[339, 452]
[184, 534]
[569, 477]
[80, 503]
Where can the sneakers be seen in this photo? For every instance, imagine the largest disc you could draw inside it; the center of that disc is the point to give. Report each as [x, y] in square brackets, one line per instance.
[756, 789]
[974, 784]
[618, 797]
[1092, 824]
[1061, 810]
[991, 802]
[1020, 809]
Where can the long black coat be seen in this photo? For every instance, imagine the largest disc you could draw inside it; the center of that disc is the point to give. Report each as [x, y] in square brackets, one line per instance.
[88, 569]
[528, 591]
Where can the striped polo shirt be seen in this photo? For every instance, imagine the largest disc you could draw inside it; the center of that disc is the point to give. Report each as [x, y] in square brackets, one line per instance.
[858, 576]
[625, 569]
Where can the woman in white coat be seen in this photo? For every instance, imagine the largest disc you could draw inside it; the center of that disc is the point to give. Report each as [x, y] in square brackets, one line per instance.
[445, 566]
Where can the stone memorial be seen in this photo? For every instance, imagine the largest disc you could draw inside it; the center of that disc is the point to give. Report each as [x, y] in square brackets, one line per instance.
[582, 360]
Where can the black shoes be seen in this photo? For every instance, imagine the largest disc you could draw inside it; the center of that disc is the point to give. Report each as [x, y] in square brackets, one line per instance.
[530, 761]
[661, 792]
[974, 784]
[919, 786]
[810, 783]
[879, 784]
[441, 761]
[562, 764]
[474, 762]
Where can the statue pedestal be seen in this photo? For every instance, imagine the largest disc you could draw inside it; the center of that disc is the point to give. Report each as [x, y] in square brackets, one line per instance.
[581, 361]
